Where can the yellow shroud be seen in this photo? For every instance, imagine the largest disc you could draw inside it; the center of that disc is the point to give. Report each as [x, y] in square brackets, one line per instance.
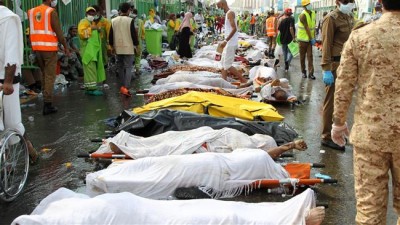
[216, 105]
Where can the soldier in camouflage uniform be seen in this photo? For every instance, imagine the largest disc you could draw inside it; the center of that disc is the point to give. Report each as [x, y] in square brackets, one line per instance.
[370, 64]
[336, 29]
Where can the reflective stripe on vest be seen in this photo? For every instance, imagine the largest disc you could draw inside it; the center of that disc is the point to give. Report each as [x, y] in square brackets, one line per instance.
[271, 30]
[42, 36]
[302, 33]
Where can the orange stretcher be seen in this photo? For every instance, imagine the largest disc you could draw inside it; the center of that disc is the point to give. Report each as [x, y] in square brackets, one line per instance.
[299, 177]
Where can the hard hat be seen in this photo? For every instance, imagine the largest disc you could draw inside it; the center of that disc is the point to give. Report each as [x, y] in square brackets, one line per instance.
[90, 9]
[288, 11]
[305, 2]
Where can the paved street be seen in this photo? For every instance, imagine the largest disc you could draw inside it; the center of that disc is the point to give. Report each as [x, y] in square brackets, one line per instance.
[62, 136]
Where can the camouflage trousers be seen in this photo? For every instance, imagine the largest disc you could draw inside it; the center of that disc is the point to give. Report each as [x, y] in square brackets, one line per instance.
[371, 178]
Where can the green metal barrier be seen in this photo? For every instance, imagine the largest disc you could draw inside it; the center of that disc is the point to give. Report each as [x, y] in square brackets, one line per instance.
[72, 13]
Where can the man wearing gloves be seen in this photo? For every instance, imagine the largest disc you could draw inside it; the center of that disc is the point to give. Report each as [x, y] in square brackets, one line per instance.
[306, 38]
[370, 65]
[336, 28]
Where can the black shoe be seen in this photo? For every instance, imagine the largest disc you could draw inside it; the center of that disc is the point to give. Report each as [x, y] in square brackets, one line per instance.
[331, 144]
[311, 76]
[49, 109]
[286, 66]
[304, 75]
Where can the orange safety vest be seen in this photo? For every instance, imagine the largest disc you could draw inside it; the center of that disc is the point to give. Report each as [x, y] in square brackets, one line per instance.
[271, 29]
[42, 36]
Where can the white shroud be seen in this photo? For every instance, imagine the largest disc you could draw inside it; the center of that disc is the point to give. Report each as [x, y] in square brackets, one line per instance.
[66, 207]
[222, 175]
[203, 139]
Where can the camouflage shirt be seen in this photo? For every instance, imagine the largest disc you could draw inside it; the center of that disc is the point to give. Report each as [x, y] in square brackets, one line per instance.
[370, 64]
[336, 29]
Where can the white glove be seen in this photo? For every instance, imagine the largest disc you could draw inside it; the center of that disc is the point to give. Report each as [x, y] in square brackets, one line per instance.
[339, 133]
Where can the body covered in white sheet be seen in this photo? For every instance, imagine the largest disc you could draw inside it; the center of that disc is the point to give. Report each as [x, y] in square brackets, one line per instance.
[220, 175]
[203, 139]
[66, 207]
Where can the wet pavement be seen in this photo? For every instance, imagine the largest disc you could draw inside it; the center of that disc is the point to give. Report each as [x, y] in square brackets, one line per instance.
[60, 137]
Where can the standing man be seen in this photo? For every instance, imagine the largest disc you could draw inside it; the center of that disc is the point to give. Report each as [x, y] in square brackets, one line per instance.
[336, 29]
[286, 29]
[272, 32]
[230, 44]
[123, 38]
[252, 24]
[45, 33]
[11, 59]
[306, 38]
[370, 64]
[199, 18]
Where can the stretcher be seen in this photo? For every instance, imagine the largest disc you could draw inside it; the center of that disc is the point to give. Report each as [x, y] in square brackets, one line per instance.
[245, 170]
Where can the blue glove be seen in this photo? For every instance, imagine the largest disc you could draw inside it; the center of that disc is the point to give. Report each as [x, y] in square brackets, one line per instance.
[313, 42]
[328, 77]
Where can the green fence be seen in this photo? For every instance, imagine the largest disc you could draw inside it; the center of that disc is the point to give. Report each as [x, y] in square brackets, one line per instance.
[72, 13]
[165, 7]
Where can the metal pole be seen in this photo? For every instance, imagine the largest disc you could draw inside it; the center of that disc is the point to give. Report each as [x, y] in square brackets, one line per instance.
[108, 9]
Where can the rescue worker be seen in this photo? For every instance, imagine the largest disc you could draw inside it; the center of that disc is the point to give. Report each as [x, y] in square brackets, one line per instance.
[170, 27]
[336, 28]
[91, 52]
[45, 33]
[104, 30]
[123, 37]
[370, 65]
[306, 38]
[11, 60]
[178, 22]
[272, 32]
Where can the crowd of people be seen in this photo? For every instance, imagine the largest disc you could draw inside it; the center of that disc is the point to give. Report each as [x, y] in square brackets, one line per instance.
[356, 58]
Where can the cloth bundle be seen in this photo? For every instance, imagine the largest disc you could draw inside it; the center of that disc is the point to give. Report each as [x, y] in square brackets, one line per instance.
[156, 89]
[66, 207]
[182, 91]
[200, 77]
[220, 175]
[203, 139]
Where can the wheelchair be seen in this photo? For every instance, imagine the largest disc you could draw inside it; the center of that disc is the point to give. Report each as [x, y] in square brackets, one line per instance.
[14, 162]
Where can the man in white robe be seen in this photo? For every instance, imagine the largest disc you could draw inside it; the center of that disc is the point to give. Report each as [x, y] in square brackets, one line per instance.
[11, 59]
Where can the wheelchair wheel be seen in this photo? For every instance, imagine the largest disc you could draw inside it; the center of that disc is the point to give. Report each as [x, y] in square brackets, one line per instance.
[14, 164]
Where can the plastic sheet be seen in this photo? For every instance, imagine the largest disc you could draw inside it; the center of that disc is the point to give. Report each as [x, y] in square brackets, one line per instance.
[157, 122]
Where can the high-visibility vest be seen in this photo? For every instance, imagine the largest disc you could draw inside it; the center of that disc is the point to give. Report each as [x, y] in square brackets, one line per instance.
[302, 33]
[271, 29]
[42, 36]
